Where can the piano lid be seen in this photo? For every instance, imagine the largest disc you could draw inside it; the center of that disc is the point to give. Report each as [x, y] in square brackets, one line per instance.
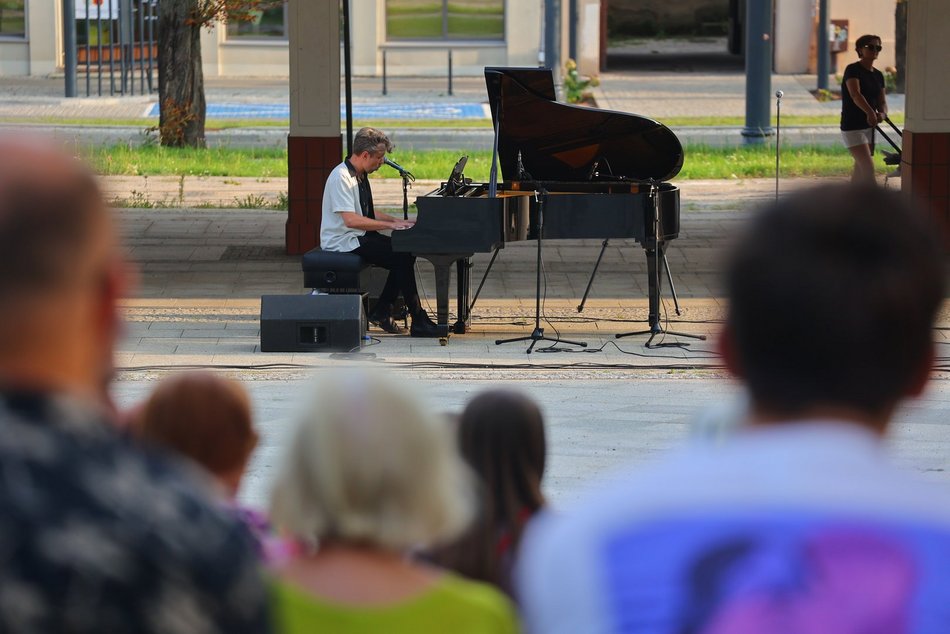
[563, 142]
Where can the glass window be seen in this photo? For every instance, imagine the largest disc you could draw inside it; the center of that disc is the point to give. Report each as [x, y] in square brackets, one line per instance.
[12, 18]
[264, 24]
[445, 19]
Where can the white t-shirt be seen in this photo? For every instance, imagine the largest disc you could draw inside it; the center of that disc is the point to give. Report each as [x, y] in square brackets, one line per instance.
[803, 528]
[342, 193]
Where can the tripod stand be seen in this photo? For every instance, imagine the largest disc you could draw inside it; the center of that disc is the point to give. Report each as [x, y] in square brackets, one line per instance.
[655, 261]
[538, 333]
[593, 274]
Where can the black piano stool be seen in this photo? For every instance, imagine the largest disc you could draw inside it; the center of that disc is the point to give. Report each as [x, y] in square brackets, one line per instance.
[332, 271]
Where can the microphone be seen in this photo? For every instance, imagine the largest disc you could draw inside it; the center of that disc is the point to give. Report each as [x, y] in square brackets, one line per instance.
[399, 168]
[779, 94]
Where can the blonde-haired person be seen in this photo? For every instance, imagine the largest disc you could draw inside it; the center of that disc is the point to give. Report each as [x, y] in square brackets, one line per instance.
[369, 477]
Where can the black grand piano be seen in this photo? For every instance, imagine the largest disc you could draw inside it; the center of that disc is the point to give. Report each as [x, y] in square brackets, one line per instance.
[602, 173]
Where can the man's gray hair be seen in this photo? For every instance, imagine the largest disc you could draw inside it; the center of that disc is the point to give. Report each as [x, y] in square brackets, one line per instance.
[369, 140]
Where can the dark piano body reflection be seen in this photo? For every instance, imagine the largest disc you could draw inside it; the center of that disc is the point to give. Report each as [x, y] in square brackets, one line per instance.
[603, 175]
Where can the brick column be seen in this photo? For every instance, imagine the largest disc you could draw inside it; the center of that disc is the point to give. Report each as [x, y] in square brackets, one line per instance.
[925, 172]
[314, 145]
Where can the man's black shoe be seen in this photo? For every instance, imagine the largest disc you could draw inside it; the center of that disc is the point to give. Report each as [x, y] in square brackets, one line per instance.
[424, 328]
[423, 318]
[387, 324]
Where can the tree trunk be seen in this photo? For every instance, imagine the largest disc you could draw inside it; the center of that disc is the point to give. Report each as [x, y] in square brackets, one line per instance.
[900, 44]
[181, 91]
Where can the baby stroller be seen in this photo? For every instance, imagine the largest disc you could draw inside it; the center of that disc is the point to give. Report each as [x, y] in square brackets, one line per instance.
[891, 158]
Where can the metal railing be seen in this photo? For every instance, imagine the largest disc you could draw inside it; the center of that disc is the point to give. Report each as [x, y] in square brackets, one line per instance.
[112, 46]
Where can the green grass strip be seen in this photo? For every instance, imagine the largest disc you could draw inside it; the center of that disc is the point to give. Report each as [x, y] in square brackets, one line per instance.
[700, 162]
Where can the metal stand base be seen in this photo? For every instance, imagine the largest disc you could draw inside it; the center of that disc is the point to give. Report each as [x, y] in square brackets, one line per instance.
[538, 335]
[656, 329]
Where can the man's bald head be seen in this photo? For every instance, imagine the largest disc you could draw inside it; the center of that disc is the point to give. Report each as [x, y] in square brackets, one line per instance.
[61, 272]
[50, 211]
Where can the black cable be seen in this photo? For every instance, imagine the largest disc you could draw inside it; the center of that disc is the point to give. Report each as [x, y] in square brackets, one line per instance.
[436, 365]
[611, 342]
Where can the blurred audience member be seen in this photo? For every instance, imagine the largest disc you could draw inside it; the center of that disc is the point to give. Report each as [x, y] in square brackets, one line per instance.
[207, 419]
[370, 476]
[501, 436]
[95, 536]
[796, 521]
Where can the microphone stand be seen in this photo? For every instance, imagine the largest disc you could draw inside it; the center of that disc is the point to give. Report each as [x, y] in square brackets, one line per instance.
[654, 265]
[778, 135]
[406, 178]
[492, 193]
[538, 333]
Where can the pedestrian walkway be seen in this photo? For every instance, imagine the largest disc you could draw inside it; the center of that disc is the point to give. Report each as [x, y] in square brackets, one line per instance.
[662, 95]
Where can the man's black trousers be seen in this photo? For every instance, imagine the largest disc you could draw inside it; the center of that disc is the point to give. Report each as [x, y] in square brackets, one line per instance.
[377, 249]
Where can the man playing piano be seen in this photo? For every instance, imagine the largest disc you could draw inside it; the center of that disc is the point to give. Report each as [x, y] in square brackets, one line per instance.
[351, 224]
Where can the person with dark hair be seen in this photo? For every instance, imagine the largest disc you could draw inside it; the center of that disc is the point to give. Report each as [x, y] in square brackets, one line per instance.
[350, 223]
[501, 436]
[205, 418]
[863, 106]
[795, 521]
[95, 534]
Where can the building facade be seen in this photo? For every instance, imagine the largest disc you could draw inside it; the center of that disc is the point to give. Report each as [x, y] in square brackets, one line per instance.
[414, 37]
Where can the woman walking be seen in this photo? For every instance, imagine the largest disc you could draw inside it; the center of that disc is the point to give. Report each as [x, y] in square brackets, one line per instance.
[863, 106]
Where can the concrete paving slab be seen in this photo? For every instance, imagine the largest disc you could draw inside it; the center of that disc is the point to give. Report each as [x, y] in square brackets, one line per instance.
[589, 436]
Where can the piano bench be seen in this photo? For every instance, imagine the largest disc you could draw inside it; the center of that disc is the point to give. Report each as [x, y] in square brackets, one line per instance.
[332, 271]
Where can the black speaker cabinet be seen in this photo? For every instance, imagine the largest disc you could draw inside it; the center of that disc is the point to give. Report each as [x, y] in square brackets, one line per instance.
[312, 323]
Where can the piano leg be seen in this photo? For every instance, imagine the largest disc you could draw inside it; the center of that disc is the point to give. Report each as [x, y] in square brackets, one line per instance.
[463, 271]
[656, 257]
[654, 284]
[442, 263]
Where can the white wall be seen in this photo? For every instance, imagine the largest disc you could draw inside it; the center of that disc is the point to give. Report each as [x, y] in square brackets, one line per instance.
[239, 57]
[40, 52]
[14, 58]
[368, 27]
[794, 20]
[314, 68]
[519, 48]
[928, 91]
[44, 30]
[588, 37]
[867, 16]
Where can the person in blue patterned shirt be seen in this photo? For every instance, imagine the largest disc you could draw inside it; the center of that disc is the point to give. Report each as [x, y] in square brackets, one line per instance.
[96, 535]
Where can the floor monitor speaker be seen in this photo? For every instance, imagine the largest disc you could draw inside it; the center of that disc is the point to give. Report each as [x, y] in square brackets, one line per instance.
[312, 323]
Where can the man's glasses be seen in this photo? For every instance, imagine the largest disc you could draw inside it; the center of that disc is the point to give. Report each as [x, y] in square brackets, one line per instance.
[874, 47]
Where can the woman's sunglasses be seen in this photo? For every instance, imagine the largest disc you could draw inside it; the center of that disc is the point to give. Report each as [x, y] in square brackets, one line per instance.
[874, 47]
